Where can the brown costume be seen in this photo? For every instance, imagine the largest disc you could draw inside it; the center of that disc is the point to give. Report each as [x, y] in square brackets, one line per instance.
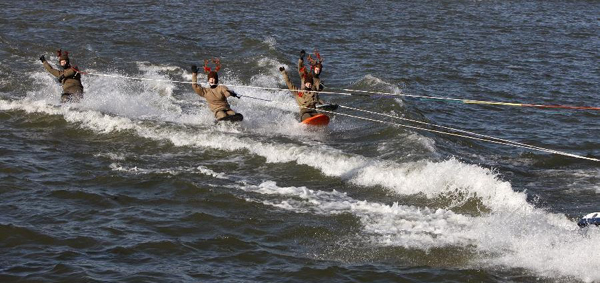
[70, 78]
[307, 100]
[216, 97]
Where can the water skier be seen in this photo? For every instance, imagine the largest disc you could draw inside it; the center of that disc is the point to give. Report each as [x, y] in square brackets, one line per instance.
[69, 77]
[306, 99]
[215, 94]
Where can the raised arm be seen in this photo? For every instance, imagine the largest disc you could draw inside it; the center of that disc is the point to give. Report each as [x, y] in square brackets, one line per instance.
[286, 78]
[197, 88]
[301, 68]
[51, 70]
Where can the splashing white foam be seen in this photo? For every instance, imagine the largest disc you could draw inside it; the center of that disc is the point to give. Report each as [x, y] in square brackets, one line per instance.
[170, 171]
[270, 41]
[547, 244]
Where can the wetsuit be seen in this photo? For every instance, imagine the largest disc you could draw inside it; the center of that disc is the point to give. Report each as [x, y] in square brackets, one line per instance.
[70, 79]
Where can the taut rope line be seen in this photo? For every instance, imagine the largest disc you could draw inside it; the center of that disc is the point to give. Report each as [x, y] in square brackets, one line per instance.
[476, 136]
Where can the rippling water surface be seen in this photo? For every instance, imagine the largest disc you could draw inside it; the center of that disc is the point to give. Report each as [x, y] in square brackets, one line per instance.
[137, 184]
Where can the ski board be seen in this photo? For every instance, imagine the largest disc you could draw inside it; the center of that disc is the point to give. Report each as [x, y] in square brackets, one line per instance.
[317, 120]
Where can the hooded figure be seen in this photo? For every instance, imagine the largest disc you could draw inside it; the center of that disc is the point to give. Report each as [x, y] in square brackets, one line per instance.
[216, 95]
[69, 77]
[306, 99]
[316, 67]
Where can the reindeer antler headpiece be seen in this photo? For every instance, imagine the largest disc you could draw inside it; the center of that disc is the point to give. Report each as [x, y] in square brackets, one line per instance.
[209, 72]
[217, 65]
[315, 62]
[62, 55]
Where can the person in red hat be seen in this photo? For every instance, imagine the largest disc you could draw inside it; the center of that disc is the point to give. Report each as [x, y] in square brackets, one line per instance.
[215, 94]
[69, 77]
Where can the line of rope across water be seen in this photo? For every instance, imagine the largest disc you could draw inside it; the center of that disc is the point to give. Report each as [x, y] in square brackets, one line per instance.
[491, 140]
[423, 123]
[467, 101]
[350, 92]
[443, 127]
[474, 136]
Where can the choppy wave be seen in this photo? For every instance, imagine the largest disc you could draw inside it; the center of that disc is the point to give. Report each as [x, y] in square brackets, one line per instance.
[507, 232]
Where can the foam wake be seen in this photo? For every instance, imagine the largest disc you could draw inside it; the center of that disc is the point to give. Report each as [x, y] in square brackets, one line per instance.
[544, 243]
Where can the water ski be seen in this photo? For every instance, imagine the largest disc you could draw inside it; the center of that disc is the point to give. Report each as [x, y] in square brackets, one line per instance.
[232, 118]
[590, 219]
[317, 120]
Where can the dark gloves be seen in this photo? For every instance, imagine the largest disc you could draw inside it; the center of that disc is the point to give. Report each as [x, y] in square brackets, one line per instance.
[320, 87]
[61, 78]
[43, 58]
[231, 93]
[281, 69]
[194, 69]
[302, 53]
